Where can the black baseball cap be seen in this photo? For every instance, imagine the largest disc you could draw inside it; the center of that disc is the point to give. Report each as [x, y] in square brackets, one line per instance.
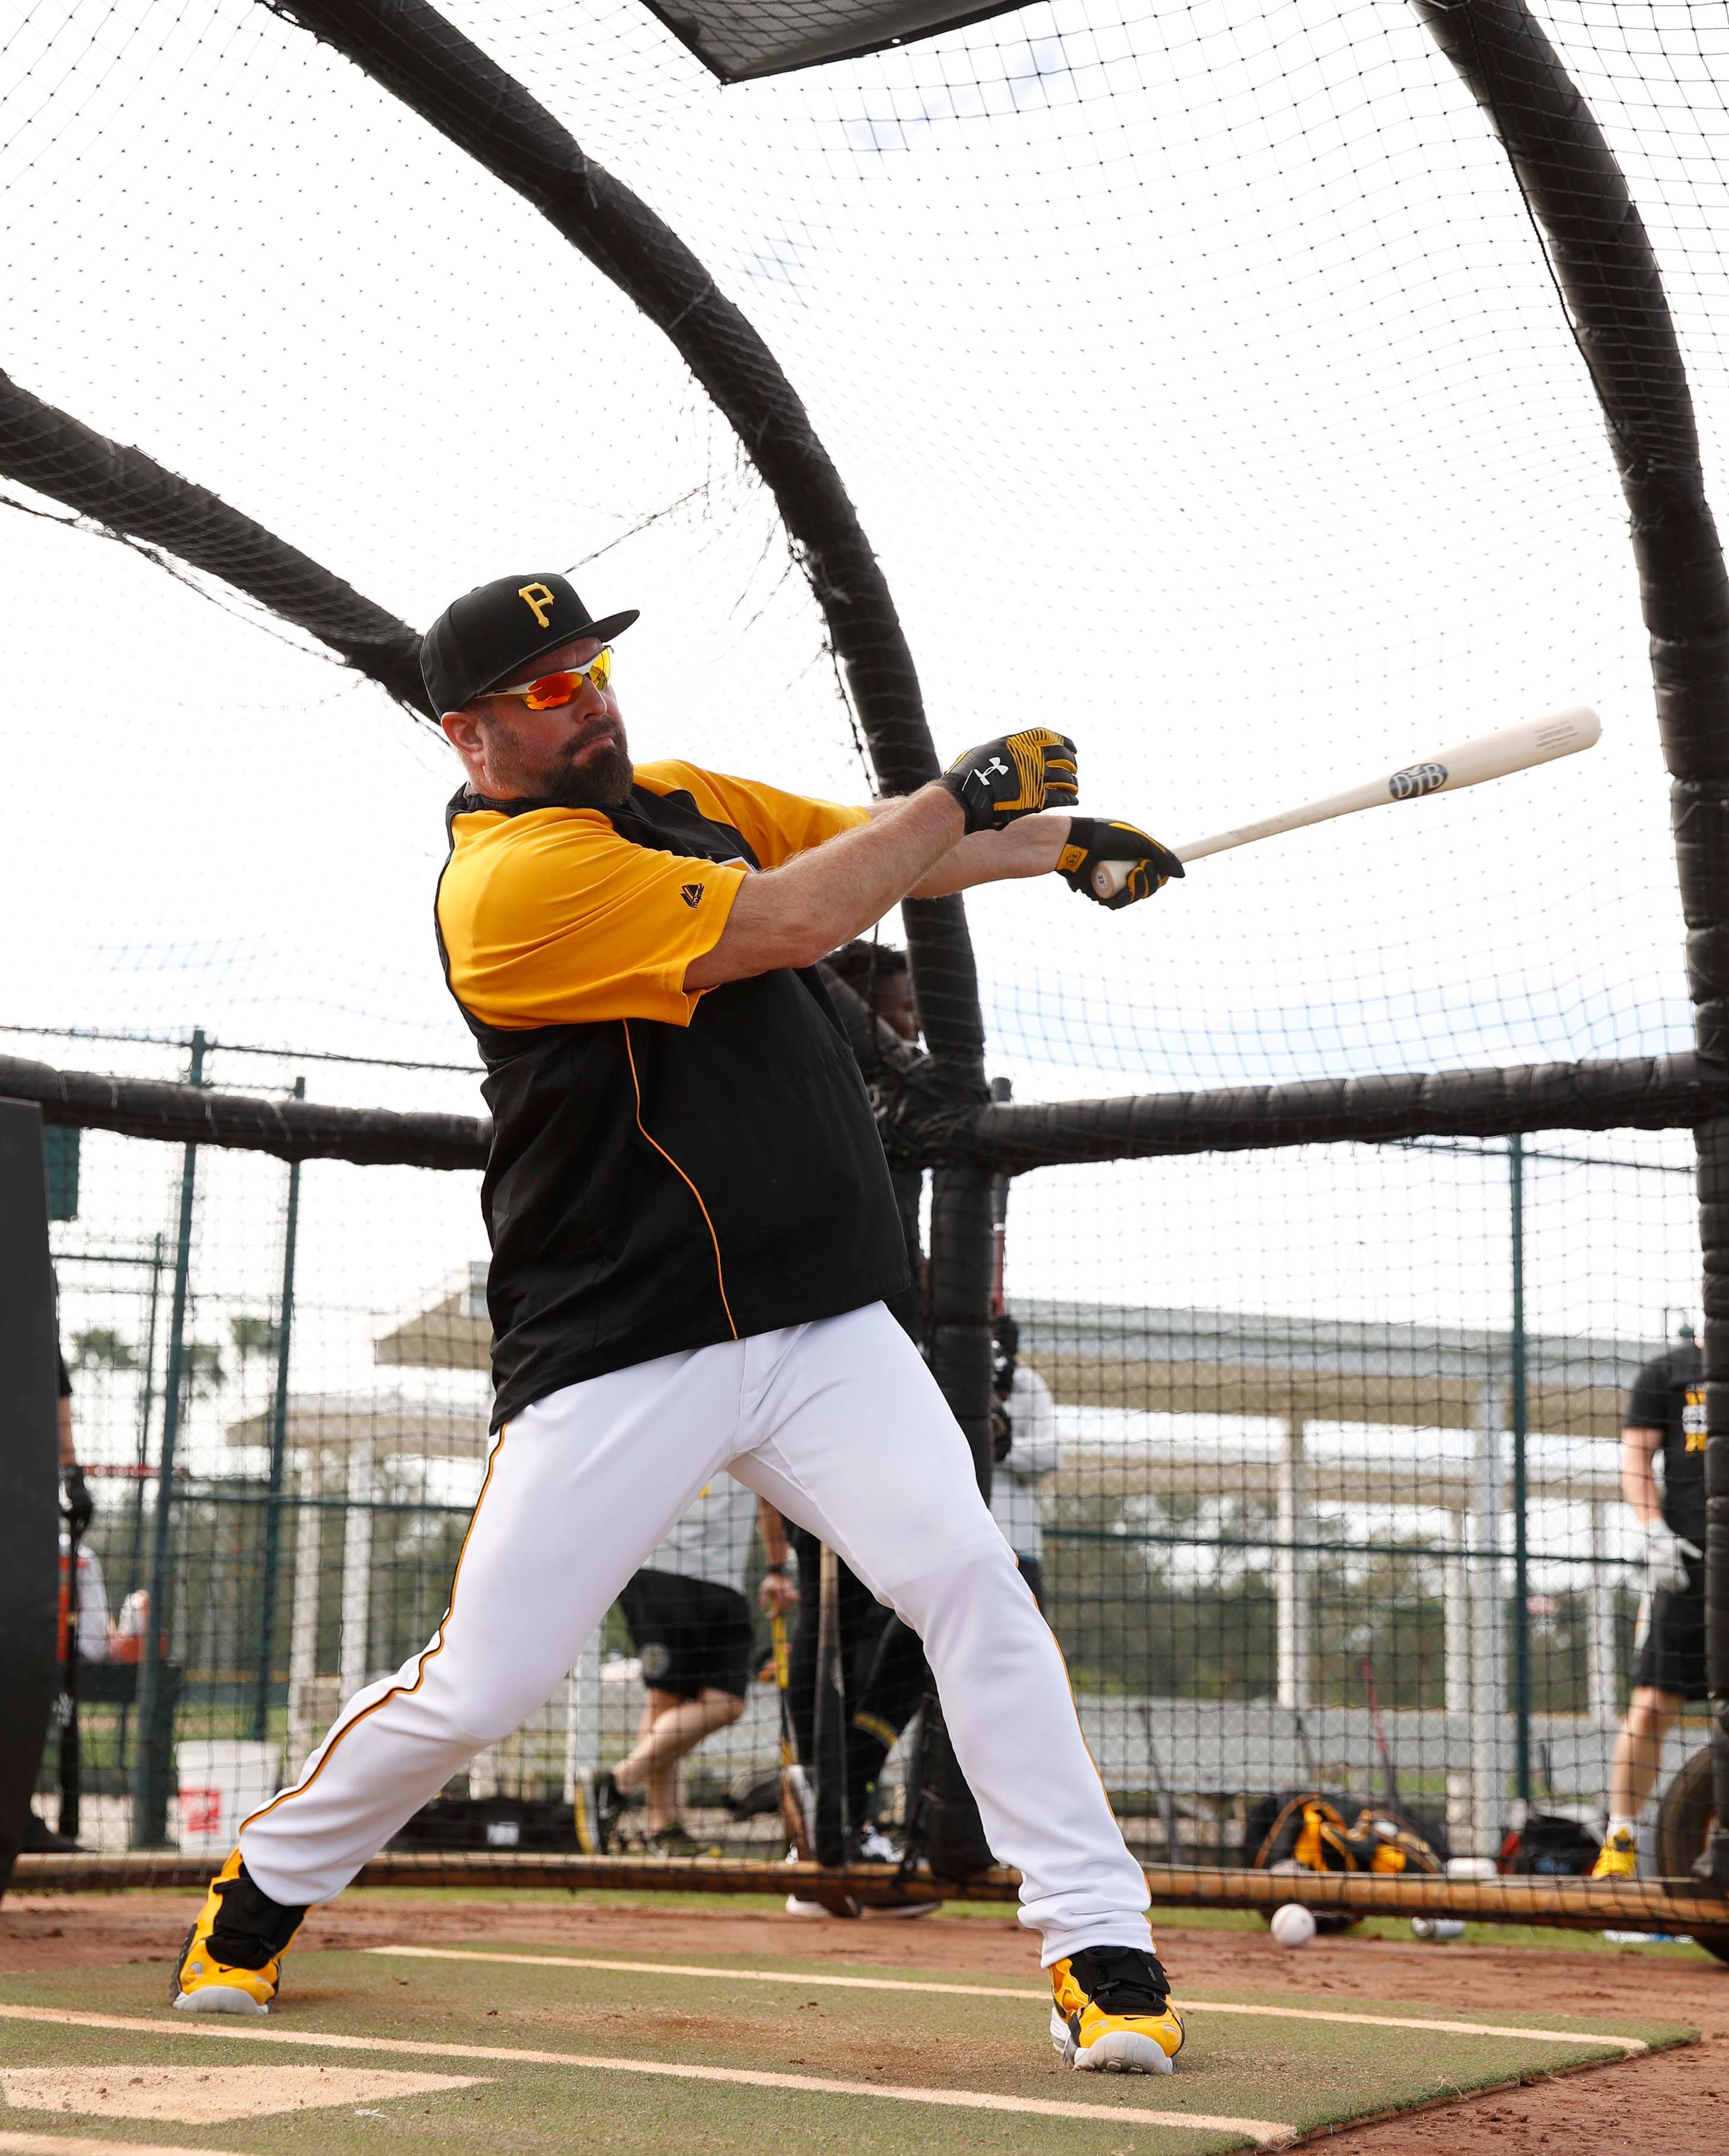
[498, 629]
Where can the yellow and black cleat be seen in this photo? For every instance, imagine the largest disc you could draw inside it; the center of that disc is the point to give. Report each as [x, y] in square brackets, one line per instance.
[1112, 2012]
[231, 1960]
[1618, 1858]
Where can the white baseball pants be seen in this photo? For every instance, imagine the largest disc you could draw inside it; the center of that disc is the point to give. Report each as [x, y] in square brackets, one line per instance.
[842, 1429]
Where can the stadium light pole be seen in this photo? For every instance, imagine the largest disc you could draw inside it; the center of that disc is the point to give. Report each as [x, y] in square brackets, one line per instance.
[1605, 268]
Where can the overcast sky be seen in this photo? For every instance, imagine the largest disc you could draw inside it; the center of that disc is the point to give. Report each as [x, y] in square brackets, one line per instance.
[1205, 391]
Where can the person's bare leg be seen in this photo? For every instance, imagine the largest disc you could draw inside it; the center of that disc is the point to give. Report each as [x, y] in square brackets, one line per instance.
[1639, 1750]
[672, 1726]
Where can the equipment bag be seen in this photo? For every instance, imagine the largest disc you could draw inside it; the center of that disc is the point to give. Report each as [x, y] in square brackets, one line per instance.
[1547, 1847]
[1309, 1831]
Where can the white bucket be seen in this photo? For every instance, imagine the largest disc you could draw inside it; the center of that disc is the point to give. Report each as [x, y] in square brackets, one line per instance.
[221, 1782]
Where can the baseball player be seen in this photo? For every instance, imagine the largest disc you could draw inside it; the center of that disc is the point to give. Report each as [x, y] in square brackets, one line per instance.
[692, 1236]
[1665, 1414]
[880, 975]
[691, 1627]
[83, 1597]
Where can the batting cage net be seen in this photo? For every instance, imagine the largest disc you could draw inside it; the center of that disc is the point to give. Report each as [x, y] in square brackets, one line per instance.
[1225, 388]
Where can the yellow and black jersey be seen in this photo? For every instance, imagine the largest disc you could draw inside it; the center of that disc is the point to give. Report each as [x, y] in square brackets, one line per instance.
[668, 1169]
[1669, 1394]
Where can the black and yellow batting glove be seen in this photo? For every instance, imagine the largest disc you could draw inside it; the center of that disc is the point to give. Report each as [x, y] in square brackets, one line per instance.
[1014, 776]
[1114, 864]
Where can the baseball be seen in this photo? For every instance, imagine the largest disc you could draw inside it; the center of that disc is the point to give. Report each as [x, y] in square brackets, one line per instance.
[1293, 1925]
[1440, 1928]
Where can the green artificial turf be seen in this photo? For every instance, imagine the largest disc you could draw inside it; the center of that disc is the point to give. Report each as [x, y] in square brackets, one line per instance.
[1312, 2075]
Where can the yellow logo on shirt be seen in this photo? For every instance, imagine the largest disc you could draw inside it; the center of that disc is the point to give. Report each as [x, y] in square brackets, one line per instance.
[1693, 1428]
[539, 601]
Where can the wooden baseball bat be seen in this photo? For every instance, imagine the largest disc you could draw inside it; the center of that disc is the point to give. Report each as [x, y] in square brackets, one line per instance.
[1467, 764]
[71, 1743]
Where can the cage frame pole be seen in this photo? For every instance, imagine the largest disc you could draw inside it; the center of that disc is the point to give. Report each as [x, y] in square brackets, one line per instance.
[1606, 273]
[424, 61]
[29, 1473]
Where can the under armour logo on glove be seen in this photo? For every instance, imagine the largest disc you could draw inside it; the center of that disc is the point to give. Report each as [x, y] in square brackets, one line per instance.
[1016, 776]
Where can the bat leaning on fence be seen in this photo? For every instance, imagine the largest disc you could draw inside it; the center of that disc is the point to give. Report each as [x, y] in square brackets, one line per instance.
[71, 1746]
[794, 1817]
[1449, 771]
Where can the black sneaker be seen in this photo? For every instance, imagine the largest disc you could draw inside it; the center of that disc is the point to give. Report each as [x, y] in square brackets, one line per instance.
[1113, 2012]
[677, 1840]
[599, 1802]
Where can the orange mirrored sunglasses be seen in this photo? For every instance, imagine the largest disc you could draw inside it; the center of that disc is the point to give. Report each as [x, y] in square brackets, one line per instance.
[552, 689]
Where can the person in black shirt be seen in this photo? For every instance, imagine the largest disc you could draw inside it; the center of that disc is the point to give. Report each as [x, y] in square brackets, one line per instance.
[1665, 1415]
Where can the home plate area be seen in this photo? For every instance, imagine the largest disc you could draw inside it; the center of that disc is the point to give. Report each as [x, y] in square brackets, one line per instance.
[205, 2095]
[542, 2050]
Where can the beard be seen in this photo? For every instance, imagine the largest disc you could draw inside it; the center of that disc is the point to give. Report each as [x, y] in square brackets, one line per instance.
[581, 776]
[600, 779]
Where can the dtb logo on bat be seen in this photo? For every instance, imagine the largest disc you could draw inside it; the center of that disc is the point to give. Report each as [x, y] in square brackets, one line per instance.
[1417, 779]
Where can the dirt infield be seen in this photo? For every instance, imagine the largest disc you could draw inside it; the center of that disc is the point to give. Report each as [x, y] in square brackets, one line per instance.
[1688, 2091]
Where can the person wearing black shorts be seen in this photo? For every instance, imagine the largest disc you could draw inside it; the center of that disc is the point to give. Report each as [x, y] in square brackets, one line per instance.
[1665, 1414]
[691, 1627]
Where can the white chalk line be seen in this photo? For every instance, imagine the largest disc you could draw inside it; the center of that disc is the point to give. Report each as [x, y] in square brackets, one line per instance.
[1630, 2046]
[1263, 2133]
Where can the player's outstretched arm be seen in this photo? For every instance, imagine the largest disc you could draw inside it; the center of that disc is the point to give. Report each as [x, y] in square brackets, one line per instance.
[790, 916]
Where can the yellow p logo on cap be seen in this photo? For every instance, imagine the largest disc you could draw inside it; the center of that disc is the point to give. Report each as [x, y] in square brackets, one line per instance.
[539, 601]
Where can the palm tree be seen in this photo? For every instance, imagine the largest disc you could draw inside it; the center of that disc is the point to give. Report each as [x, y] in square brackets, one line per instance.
[100, 1349]
[253, 1336]
[201, 1370]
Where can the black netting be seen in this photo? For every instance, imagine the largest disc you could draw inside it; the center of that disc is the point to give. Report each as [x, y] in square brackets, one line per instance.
[1262, 400]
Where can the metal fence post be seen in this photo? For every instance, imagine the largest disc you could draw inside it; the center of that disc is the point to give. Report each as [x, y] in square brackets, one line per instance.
[1521, 1536]
[151, 1764]
[278, 1447]
[147, 1401]
[1488, 1638]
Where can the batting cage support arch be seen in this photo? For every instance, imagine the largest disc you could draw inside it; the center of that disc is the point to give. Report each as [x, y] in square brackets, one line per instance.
[424, 61]
[128, 493]
[1609, 277]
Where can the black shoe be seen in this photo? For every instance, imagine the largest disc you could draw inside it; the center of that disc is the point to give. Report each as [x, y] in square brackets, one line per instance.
[677, 1840]
[599, 1802]
[40, 1837]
